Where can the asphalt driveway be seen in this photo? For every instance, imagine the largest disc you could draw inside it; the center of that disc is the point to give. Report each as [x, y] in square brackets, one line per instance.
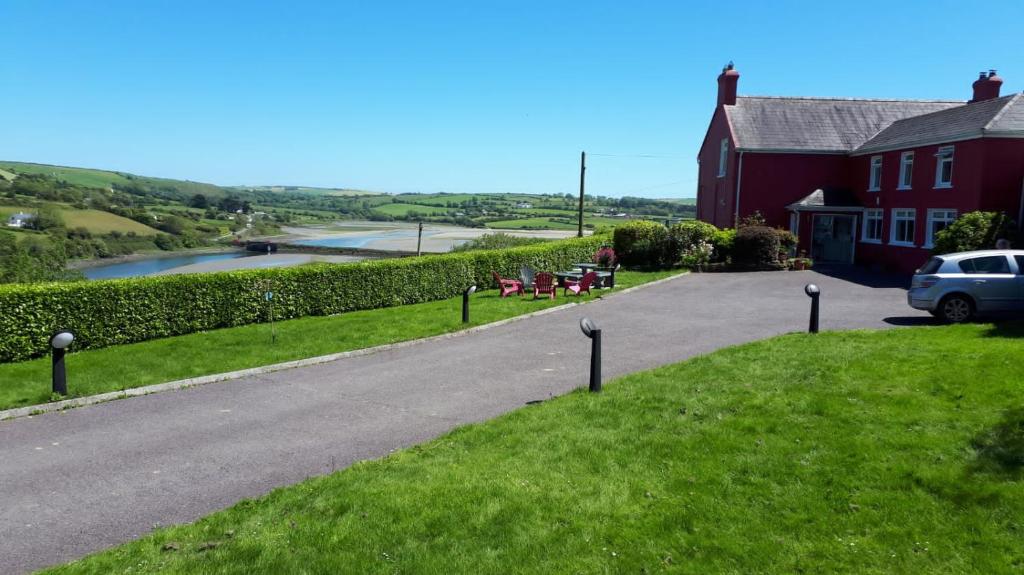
[89, 478]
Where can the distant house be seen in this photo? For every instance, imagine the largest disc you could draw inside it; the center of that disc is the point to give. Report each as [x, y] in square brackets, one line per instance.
[524, 205]
[19, 220]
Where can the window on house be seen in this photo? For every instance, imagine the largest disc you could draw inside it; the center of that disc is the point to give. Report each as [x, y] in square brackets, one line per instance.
[872, 232]
[906, 170]
[944, 167]
[902, 227]
[938, 220]
[723, 157]
[875, 179]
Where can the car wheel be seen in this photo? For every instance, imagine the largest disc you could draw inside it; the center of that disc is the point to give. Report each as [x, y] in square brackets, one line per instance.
[956, 309]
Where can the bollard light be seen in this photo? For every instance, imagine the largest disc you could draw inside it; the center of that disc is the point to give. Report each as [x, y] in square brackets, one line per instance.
[59, 342]
[814, 293]
[465, 303]
[591, 330]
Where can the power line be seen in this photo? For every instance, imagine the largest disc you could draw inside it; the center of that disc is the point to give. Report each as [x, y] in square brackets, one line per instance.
[657, 156]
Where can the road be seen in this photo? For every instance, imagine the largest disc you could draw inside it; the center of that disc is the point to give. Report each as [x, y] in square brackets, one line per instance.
[89, 478]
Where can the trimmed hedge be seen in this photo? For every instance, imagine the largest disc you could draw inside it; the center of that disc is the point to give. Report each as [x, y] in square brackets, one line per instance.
[641, 243]
[112, 312]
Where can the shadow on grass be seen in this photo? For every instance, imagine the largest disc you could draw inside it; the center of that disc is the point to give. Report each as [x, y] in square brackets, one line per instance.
[911, 320]
[1000, 449]
[1007, 328]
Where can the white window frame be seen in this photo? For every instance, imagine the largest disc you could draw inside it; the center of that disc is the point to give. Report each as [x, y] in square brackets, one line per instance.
[948, 215]
[906, 171]
[869, 215]
[900, 215]
[723, 157]
[943, 155]
[875, 177]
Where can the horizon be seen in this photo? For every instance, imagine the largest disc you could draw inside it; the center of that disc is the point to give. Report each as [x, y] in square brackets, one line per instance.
[450, 97]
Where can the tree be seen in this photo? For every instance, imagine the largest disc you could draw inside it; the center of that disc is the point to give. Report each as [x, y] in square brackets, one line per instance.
[972, 231]
[199, 201]
[47, 217]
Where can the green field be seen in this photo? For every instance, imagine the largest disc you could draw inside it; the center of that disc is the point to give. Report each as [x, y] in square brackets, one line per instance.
[156, 361]
[104, 178]
[394, 209]
[553, 224]
[899, 451]
[98, 222]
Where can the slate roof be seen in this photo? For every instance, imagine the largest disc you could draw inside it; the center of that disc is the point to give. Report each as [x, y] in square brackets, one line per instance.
[827, 198]
[833, 125]
[997, 116]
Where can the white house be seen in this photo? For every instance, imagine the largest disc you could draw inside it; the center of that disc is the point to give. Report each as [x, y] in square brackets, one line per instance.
[19, 220]
[524, 205]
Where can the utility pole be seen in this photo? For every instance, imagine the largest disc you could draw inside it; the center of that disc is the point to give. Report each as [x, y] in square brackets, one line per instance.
[419, 239]
[583, 173]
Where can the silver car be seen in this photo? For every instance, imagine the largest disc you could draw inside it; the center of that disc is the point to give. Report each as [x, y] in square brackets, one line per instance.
[955, 287]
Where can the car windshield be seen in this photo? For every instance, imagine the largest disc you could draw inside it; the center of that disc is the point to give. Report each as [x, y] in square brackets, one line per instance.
[931, 267]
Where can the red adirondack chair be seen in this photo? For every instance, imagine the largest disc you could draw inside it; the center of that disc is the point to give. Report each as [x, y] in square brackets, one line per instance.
[508, 287]
[544, 283]
[579, 287]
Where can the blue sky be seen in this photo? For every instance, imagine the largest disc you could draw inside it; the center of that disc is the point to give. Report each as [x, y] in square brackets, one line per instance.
[473, 96]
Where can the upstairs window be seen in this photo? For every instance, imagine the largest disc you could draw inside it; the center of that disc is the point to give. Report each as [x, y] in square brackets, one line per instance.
[944, 167]
[872, 232]
[902, 233]
[906, 170]
[723, 157]
[875, 178]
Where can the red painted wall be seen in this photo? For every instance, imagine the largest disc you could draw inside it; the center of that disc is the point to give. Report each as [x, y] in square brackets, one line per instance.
[770, 182]
[716, 196]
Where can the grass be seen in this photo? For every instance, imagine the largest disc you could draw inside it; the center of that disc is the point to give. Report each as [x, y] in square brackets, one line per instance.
[99, 222]
[157, 361]
[553, 223]
[856, 452]
[395, 209]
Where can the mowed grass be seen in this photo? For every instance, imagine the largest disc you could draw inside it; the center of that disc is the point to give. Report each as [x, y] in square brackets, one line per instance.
[96, 221]
[856, 452]
[100, 222]
[157, 361]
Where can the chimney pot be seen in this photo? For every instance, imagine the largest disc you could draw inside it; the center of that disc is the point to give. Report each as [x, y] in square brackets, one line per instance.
[986, 87]
[727, 82]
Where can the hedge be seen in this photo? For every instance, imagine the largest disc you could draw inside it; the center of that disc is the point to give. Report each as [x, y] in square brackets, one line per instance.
[113, 312]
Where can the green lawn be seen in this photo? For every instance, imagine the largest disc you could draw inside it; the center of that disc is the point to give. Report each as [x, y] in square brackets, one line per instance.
[135, 365]
[856, 452]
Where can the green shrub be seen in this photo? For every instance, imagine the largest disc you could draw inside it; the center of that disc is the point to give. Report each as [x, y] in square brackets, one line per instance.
[723, 241]
[686, 237]
[496, 241]
[756, 246]
[111, 312]
[972, 231]
[641, 243]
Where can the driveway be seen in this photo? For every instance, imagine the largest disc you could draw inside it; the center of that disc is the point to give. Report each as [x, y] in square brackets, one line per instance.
[89, 478]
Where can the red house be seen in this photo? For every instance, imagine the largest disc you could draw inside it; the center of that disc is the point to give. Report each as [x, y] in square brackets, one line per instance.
[866, 181]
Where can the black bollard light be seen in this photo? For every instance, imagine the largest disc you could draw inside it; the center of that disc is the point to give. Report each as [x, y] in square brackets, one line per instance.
[814, 293]
[591, 330]
[59, 343]
[465, 303]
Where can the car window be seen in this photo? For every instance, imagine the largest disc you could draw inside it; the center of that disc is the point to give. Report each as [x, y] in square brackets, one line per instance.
[986, 265]
[1020, 264]
[931, 266]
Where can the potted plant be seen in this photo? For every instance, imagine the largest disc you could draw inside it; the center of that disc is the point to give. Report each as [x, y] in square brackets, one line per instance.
[800, 263]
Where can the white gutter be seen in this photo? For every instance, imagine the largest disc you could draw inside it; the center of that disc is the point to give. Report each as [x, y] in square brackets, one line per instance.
[739, 184]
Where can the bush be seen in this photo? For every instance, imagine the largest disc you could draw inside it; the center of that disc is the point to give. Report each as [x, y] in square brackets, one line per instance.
[111, 312]
[972, 231]
[756, 246]
[641, 243]
[685, 237]
[723, 241]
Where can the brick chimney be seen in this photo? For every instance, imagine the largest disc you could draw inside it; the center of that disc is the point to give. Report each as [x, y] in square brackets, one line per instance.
[727, 82]
[986, 86]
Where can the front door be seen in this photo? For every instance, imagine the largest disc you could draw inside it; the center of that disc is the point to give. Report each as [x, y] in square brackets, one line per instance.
[832, 239]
